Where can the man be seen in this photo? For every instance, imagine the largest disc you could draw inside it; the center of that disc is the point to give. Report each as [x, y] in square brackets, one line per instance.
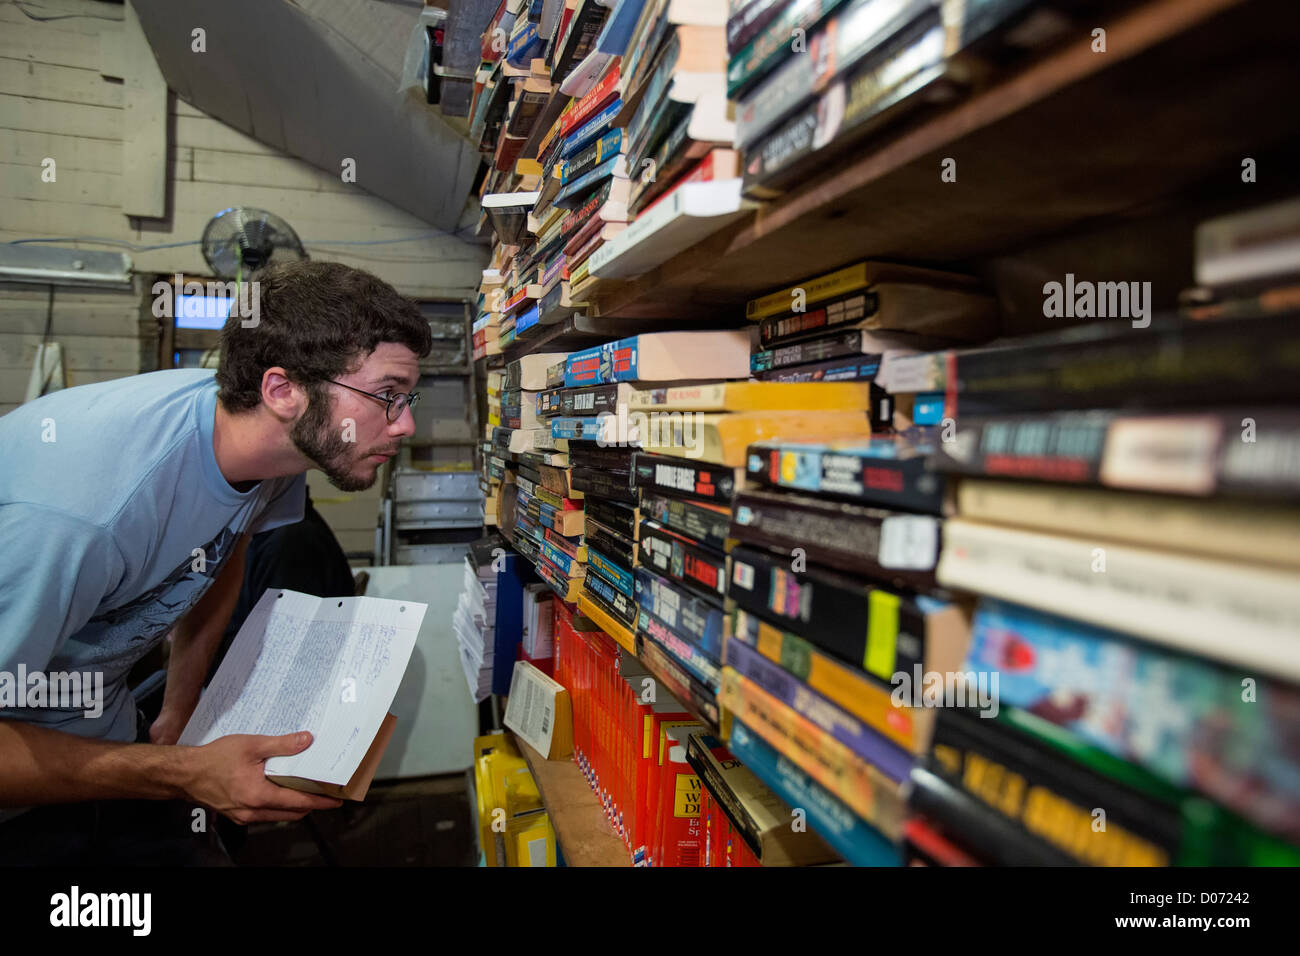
[126, 507]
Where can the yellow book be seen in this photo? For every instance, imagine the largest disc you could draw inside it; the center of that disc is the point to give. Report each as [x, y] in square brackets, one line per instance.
[607, 624]
[722, 439]
[535, 843]
[875, 797]
[840, 282]
[755, 396]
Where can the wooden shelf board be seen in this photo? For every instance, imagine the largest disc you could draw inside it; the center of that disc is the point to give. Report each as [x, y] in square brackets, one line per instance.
[1186, 89]
[584, 834]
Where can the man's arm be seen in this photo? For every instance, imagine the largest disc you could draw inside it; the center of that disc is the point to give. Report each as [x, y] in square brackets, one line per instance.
[43, 766]
[195, 639]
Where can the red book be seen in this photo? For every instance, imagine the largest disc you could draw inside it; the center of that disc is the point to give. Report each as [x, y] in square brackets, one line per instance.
[597, 98]
[679, 838]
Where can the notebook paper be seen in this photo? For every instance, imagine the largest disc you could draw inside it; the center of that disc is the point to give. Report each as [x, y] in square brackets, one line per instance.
[327, 665]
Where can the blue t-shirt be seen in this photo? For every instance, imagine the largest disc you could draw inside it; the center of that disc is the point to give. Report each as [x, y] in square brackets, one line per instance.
[114, 520]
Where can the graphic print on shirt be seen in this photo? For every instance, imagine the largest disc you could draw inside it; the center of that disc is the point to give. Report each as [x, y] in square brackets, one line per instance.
[149, 615]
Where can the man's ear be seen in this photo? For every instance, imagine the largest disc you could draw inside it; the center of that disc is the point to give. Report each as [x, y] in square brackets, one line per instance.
[285, 399]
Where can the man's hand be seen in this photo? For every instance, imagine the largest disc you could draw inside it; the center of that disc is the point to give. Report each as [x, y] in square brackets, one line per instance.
[229, 775]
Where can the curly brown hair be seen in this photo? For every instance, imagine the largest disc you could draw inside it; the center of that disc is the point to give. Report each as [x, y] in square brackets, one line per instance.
[318, 321]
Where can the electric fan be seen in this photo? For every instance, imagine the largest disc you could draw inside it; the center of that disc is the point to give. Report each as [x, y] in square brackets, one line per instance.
[240, 240]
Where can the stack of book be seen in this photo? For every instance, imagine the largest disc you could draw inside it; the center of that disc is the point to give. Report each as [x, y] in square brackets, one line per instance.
[474, 621]
[601, 427]
[1136, 555]
[857, 67]
[831, 589]
[675, 795]
[683, 176]
[547, 510]
[487, 323]
[493, 464]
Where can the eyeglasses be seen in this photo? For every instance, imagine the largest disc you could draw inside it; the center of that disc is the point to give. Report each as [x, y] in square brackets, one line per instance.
[394, 404]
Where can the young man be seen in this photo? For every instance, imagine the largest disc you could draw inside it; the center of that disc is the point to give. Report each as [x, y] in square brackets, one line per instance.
[125, 509]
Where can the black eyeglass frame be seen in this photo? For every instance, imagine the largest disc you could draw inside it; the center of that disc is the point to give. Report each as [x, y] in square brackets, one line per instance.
[411, 399]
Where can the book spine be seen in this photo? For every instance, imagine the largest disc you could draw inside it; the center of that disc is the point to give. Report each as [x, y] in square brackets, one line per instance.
[567, 563]
[849, 688]
[871, 794]
[618, 518]
[709, 527]
[683, 478]
[904, 483]
[581, 37]
[616, 546]
[842, 829]
[571, 547]
[604, 485]
[1143, 703]
[571, 195]
[576, 429]
[681, 560]
[617, 603]
[988, 835]
[1179, 601]
[685, 655]
[1198, 453]
[746, 21]
[875, 749]
[880, 632]
[680, 684]
[697, 619]
[591, 401]
[771, 44]
[610, 570]
[791, 327]
[549, 403]
[594, 129]
[1048, 798]
[901, 550]
[593, 101]
[844, 345]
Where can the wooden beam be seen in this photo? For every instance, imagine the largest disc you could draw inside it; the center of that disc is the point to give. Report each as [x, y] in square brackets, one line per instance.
[144, 125]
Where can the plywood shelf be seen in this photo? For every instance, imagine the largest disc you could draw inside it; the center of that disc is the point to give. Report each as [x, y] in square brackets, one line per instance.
[584, 834]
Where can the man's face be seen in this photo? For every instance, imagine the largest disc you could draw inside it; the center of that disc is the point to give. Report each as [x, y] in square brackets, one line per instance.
[348, 436]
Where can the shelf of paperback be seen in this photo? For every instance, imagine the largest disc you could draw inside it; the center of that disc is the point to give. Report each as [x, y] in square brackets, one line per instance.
[583, 832]
[857, 561]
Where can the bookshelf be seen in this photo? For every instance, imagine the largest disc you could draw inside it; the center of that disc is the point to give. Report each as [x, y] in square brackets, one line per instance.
[1102, 162]
[583, 832]
[1018, 148]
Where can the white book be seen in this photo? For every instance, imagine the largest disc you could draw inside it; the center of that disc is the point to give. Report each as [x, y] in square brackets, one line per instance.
[330, 666]
[676, 222]
[1223, 610]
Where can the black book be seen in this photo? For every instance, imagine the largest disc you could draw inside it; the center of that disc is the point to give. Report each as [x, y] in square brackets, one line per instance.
[900, 550]
[1173, 362]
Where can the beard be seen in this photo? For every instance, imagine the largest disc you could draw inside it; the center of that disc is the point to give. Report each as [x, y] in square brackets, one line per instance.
[316, 436]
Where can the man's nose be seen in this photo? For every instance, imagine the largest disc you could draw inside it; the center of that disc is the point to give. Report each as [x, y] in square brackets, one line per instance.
[404, 427]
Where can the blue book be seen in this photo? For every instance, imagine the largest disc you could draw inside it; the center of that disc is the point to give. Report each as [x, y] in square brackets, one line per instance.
[526, 320]
[844, 831]
[509, 622]
[927, 408]
[589, 130]
[523, 47]
[575, 191]
[579, 429]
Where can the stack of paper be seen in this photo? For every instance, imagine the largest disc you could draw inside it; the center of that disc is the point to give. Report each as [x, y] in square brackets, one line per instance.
[474, 624]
